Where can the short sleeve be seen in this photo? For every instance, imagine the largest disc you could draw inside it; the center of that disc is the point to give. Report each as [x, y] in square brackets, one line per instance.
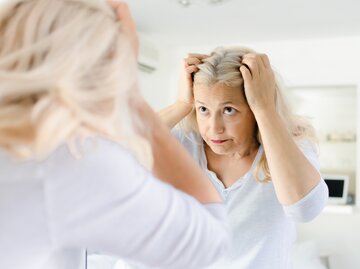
[313, 203]
[178, 134]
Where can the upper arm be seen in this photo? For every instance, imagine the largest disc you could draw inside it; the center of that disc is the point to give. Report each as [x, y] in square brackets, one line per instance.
[309, 150]
[313, 202]
[309, 206]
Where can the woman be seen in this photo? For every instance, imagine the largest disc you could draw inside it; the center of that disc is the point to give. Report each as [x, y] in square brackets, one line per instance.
[73, 129]
[259, 156]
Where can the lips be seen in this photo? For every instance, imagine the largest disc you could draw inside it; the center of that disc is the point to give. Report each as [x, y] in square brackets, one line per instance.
[216, 141]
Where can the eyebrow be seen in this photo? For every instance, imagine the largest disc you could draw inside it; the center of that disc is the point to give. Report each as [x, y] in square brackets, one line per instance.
[224, 103]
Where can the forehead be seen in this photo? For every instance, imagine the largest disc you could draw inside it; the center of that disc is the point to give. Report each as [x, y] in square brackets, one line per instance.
[219, 93]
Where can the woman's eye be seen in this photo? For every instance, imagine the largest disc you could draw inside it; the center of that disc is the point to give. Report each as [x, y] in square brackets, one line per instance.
[229, 111]
[202, 109]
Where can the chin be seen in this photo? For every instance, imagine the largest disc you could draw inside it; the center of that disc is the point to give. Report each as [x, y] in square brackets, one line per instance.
[221, 150]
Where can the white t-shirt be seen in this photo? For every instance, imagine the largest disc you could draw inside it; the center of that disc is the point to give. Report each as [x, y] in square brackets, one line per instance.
[51, 211]
[263, 231]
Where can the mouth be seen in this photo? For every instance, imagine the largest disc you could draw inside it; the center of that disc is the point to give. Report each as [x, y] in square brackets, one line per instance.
[218, 141]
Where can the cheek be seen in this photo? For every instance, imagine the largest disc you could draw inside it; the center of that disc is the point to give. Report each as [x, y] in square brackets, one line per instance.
[201, 123]
[235, 131]
[239, 128]
[233, 126]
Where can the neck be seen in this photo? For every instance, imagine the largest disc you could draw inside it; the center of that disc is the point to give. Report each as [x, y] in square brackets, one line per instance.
[248, 152]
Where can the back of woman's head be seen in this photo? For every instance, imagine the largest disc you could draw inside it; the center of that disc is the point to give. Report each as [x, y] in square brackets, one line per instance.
[66, 69]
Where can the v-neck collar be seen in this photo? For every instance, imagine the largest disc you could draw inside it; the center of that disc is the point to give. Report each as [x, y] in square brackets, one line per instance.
[240, 181]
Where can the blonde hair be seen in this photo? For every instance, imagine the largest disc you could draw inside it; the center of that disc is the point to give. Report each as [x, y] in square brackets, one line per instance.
[67, 70]
[222, 67]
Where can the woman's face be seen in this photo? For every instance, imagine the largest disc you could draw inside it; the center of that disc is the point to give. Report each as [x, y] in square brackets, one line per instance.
[225, 121]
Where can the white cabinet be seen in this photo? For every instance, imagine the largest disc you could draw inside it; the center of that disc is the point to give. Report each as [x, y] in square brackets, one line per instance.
[333, 111]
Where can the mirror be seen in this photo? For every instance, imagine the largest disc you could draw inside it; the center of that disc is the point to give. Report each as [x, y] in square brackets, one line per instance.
[314, 46]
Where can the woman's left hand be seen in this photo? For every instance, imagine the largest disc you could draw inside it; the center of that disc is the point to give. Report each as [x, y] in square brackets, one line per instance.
[259, 82]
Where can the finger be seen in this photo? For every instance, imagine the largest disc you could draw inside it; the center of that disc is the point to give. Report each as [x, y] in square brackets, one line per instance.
[197, 55]
[123, 13]
[128, 25]
[261, 59]
[245, 72]
[192, 69]
[115, 4]
[251, 63]
[249, 55]
[192, 61]
[265, 60]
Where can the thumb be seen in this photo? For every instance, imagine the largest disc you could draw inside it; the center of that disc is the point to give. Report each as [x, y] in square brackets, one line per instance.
[245, 73]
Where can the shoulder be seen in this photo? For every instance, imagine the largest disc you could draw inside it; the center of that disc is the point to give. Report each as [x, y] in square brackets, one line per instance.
[95, 161]
[191, 141]
[94, 149]
[306, 145]
[187, 138]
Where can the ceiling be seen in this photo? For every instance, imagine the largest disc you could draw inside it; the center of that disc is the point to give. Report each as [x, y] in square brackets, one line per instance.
[248, 21]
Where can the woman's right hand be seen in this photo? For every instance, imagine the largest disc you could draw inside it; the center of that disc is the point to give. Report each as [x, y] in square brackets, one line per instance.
[123, 14]
[190, 66]
[184, 104]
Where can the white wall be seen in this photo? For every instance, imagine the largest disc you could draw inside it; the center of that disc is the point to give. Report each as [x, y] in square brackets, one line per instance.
[155, 86]
[301, 63]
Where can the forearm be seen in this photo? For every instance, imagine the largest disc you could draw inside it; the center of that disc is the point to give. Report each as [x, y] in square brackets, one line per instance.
[174, 113]
[174, 165]
[292, 174]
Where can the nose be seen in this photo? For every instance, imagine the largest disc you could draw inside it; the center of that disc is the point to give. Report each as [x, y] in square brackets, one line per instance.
[217, 125]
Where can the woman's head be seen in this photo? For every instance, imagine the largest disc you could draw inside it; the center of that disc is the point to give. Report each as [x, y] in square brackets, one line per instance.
[66, 69]
[221, 113]
[223, 117]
